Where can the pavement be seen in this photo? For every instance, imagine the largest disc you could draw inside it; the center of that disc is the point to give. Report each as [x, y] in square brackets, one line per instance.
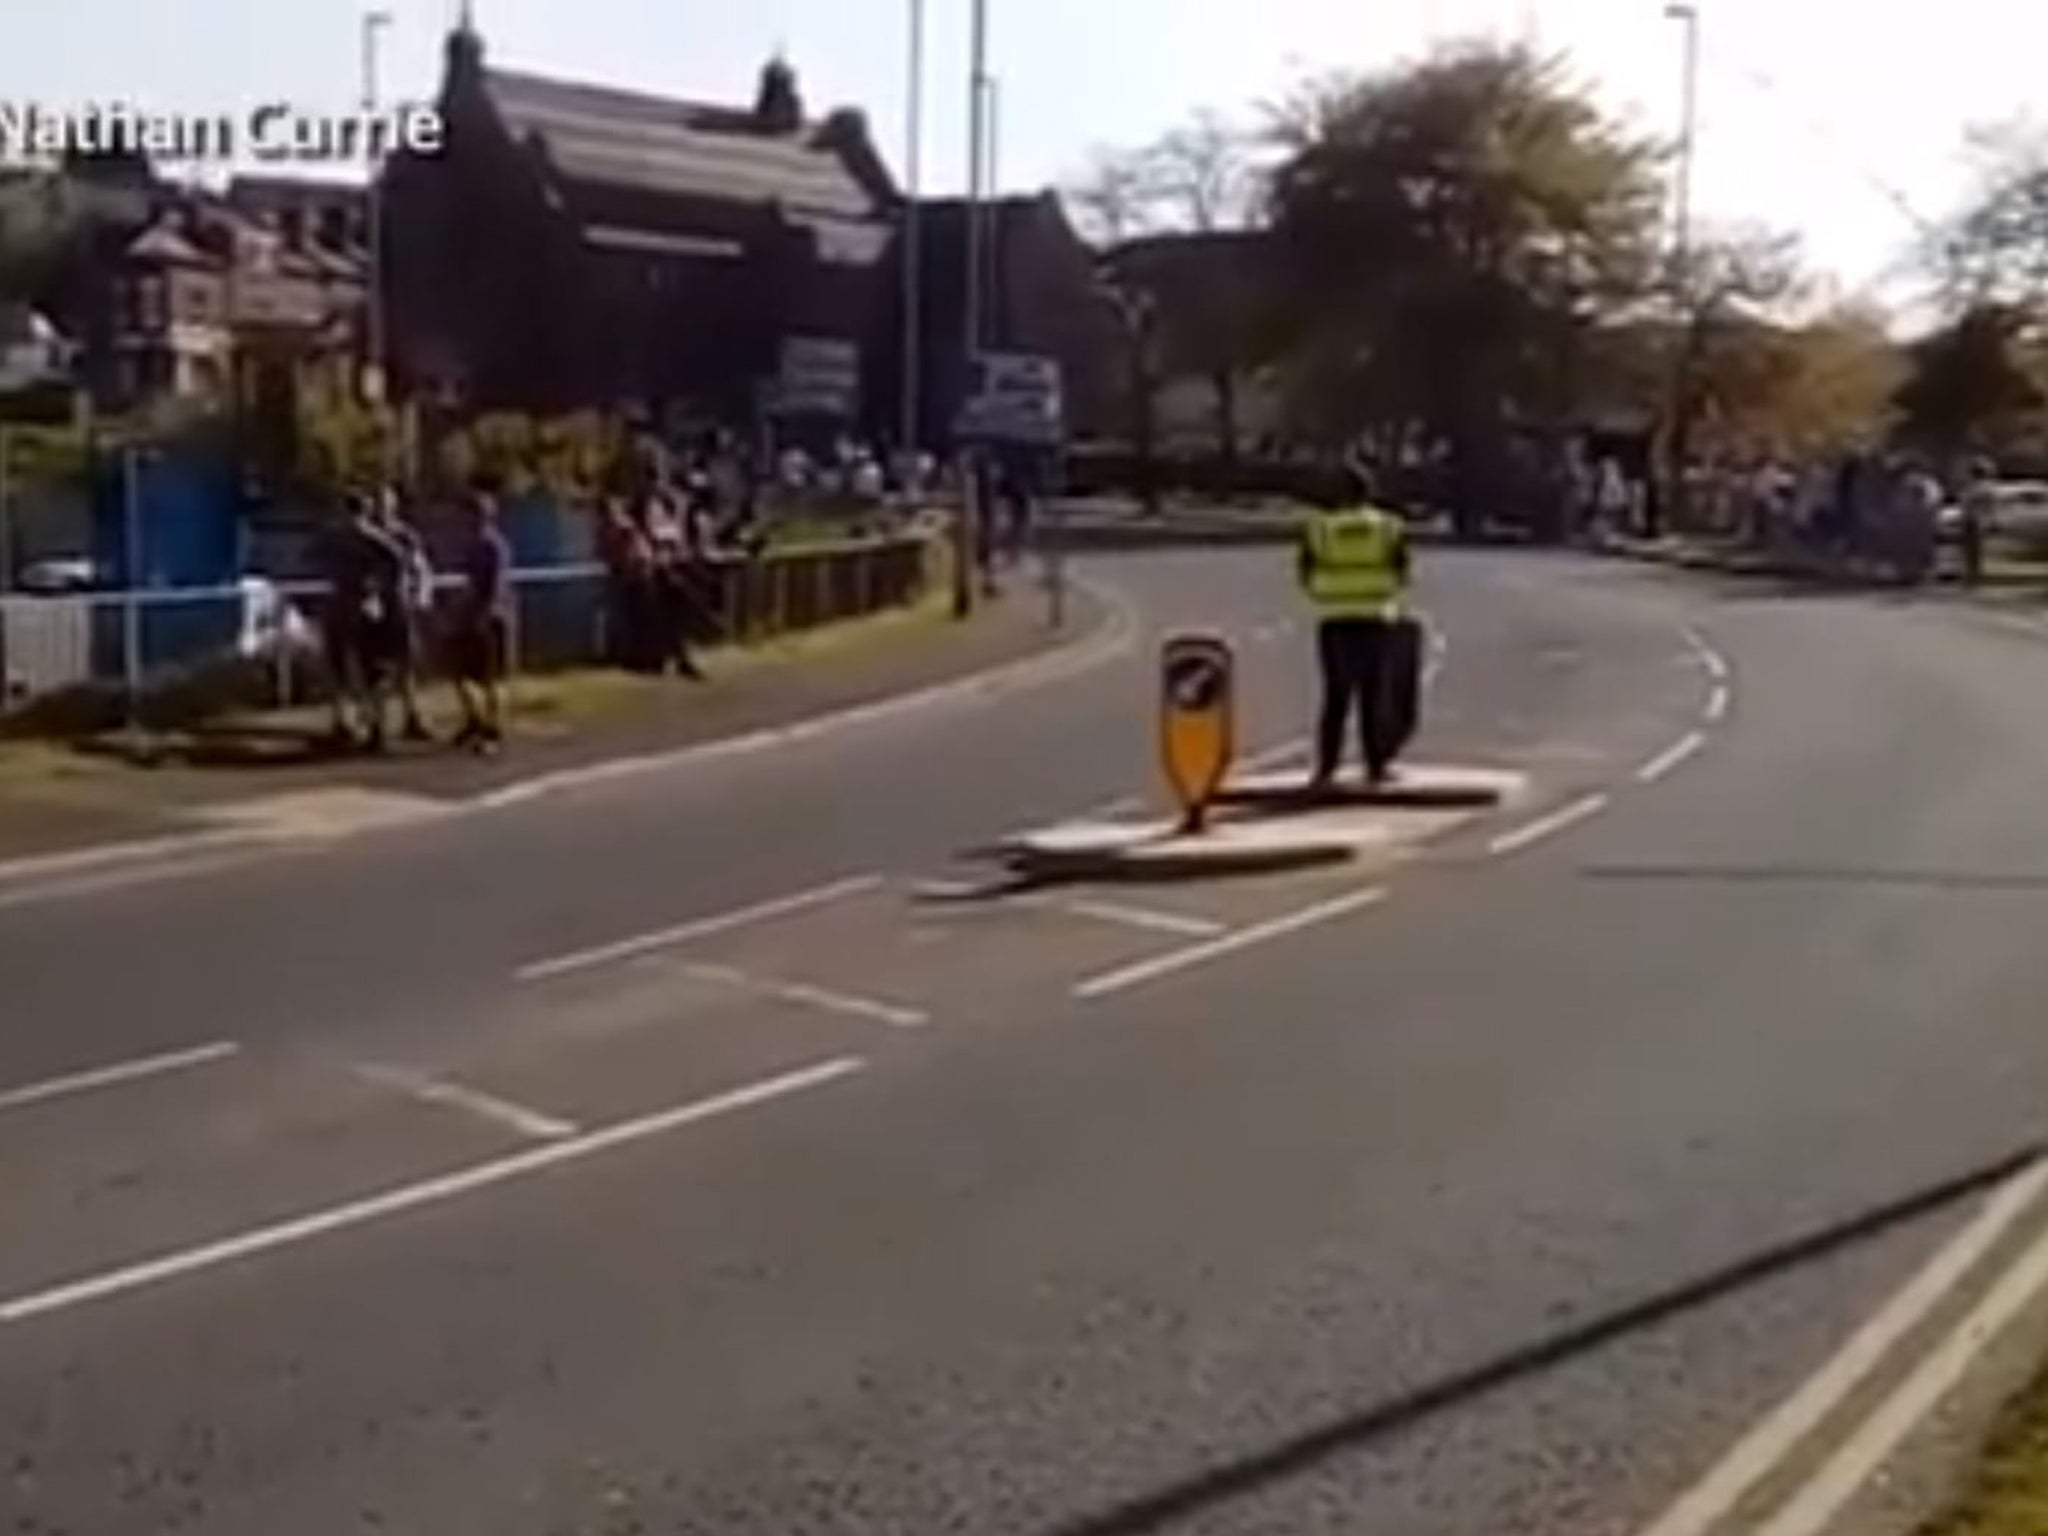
[708, 1148]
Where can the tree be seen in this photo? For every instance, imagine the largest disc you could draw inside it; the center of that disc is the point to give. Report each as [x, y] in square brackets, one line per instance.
[1967, 389]
[1994, 251]
[1188, 189]
[1113, 199]
[1450, 230]
[1201, 184]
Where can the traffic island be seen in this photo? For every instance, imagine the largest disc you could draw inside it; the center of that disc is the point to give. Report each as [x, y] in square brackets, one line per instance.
[1262, 825]
[1424, 787]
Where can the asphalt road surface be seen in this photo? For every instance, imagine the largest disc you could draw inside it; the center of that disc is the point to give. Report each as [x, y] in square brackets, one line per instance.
[676, 1155]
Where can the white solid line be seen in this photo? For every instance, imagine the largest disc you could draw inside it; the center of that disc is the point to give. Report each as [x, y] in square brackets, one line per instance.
[1708, 1502]
[80, 860]
[698, 928]
[121, 877]
[825, 999]
[1717, 702]
[409, 1197]
[1939, 1373]
[1129, 976]
[1671, 757]
[1115, 635]
[120, 1072]
[1279, 753]
[1548, 826]
[1149, 918]
[530, 1123]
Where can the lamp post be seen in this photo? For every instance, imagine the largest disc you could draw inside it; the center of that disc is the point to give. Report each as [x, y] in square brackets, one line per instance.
[373, 24]
[913, 235]
[967, 541]
[1677, 443]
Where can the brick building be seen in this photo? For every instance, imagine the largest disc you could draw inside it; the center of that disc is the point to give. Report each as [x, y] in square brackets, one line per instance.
[577, 245]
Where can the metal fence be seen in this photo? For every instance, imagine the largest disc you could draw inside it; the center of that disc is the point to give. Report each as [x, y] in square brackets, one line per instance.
[258, 639]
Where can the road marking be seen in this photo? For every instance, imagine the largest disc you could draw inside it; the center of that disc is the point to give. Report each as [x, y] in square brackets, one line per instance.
[1277, 755]
[120, 877]
[698, 928]
[1122, 980]
[121, 1072]
[1715, 663]
[824, 999]
[410, 1197]
[2032, 628]
[1717, 702]
[1939, 1373]
[1112, 638]
[1548, 826]
[530, 1123]
[1671, 757]
[1714, 1497]
[80, 860]
[1150, 918]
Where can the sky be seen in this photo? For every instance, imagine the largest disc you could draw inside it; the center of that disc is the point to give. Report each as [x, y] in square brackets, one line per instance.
[1842, 121]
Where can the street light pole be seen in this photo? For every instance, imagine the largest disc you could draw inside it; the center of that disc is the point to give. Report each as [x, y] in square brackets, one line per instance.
[913, 236]
[967, 542]
[373, 23]
[1677, 445]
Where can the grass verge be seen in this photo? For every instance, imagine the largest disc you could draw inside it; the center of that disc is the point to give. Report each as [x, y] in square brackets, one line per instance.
[2007, 1495]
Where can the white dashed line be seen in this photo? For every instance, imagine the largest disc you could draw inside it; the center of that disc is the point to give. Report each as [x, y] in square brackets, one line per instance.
[517, 1118]
[1129, 976]
[412, 1197]
[112, 1076]
[1671, 757]
[1715, 663]
[1704, 1506]
[1717, 703]
[824, 999]
[699, 928]
[1548, 826]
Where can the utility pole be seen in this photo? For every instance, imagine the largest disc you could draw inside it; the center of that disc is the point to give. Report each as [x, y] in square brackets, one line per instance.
[967, 542]
[913, 236]
[1677, 439]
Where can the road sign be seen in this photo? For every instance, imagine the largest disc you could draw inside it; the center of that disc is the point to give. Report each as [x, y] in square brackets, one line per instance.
[1013, 397]
[1197, 720]
[819, 376]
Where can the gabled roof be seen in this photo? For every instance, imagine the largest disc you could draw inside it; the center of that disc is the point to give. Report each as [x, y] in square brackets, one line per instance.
[609, 137]
[164, 241]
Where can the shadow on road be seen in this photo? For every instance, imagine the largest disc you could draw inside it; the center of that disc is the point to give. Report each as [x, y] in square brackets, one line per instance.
[1959, 880]
[1299, 1454]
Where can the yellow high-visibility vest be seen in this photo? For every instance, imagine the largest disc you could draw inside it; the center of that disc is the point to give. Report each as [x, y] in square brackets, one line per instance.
[1351, 570]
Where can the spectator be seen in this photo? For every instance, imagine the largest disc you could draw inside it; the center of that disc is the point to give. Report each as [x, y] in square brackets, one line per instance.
[345, 557]
[1974, 517]
[629, 571]
[481, 628]
[673, 580]
[412, 609]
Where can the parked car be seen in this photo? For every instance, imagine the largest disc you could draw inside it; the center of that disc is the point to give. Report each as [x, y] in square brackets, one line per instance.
[62, 575]
[2019, 510]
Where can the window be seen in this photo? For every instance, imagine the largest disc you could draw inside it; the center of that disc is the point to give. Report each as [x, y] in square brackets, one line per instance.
[149, 303]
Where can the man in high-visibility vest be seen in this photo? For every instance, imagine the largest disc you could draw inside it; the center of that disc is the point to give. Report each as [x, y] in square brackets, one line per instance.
[1354, 567]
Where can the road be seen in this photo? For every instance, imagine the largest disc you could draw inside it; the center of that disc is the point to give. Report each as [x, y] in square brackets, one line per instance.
[672, 1154]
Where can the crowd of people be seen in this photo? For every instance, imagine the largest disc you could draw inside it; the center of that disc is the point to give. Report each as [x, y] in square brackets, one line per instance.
[1896, 511]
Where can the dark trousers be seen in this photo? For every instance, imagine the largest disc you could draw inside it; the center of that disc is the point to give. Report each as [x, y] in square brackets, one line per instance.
[1362, 663]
